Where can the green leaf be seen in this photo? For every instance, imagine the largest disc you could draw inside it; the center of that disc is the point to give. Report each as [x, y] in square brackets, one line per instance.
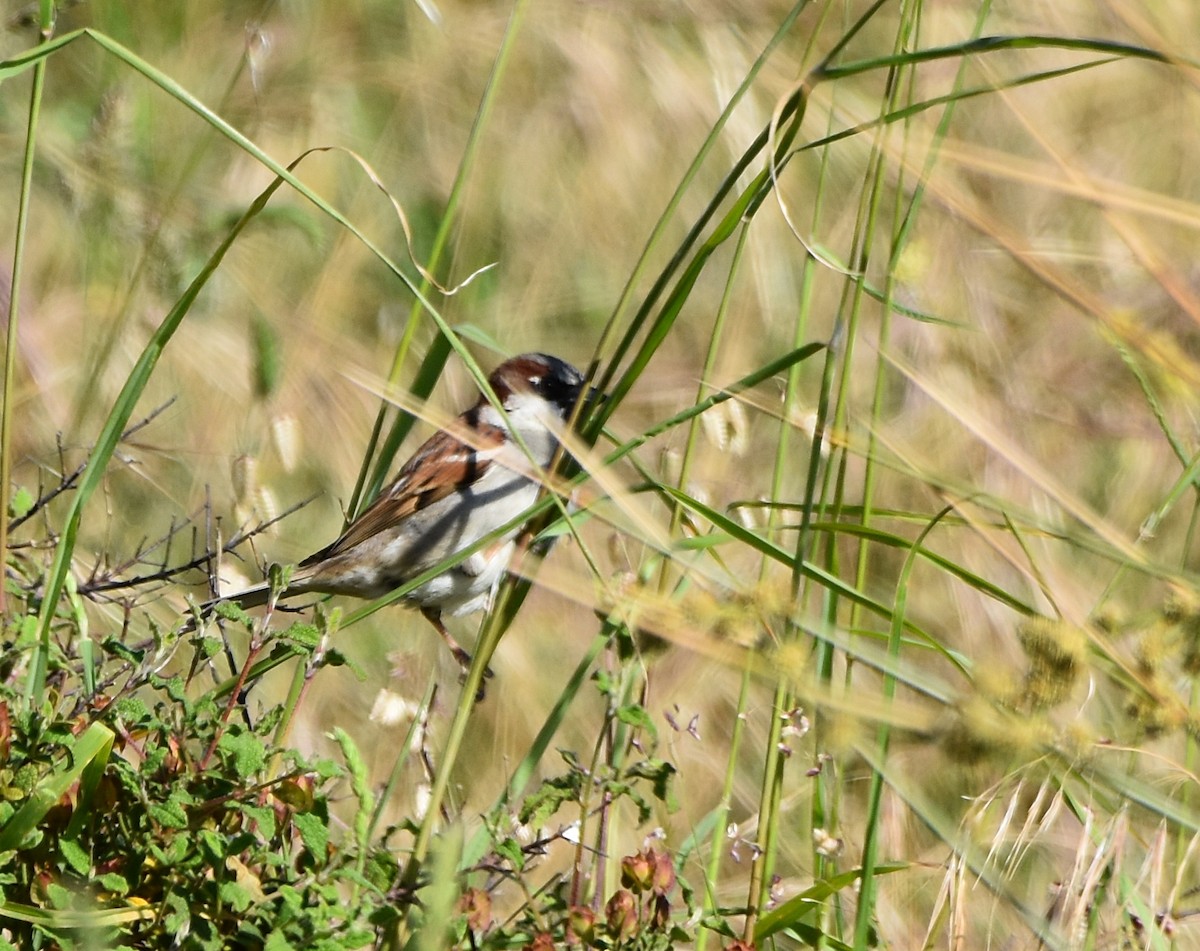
[327, 769]
[236, 895]
[292, 898]
[233, 612]
[277, 942]
[636, 716]
[359, 783]
[180, 914]
[510, 849]
[245, 750]
[170, 814]
[131, 710]
[176, 689]
[21, 502]
[208, 646]
[380, 870]
[59, 896]
[303, 635]
[213, 844]
[113, 646]
[115, 883]
[313, 833]
[76, 856]
[263, 816]
[541, 804]
[660, 773]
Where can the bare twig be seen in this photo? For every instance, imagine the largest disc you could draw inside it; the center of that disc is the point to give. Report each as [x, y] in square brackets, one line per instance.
[67, 482]
[109, 583]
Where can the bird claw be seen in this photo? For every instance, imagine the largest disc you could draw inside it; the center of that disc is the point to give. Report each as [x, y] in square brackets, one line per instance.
[464, 663]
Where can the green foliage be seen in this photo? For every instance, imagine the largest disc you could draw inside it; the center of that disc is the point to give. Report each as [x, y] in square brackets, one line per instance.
[149, 814]
[184, 833]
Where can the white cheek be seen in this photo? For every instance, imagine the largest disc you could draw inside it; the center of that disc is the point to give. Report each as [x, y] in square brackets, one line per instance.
[527, 417]
[530, 416]
[488, 416]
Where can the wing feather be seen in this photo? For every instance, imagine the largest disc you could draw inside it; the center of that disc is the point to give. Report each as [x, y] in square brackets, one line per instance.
[444, 464]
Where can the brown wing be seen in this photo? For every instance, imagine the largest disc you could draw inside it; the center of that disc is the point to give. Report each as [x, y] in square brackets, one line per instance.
[442, 465]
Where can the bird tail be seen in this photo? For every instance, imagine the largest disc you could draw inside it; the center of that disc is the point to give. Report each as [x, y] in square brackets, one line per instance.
[251, 597]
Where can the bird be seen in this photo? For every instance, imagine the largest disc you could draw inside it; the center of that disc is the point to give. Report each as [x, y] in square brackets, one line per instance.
[463, 483]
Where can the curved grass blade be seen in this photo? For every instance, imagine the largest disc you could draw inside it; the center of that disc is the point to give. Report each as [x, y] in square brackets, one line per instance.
[991, 44]
[806, 906]
[975, 581]
[439, 349]
[88, 754]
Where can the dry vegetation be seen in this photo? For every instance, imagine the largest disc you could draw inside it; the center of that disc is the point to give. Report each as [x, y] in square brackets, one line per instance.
[1009, 464]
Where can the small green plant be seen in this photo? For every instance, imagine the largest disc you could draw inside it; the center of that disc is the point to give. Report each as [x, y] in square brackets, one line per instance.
[191, 824]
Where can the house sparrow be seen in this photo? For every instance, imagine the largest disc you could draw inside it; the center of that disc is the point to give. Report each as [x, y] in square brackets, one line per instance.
[463, 483]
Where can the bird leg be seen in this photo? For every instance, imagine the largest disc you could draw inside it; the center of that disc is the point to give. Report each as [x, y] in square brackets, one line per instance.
[434, 617]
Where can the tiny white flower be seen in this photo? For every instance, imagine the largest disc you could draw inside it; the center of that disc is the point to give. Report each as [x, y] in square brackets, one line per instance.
[826, 844]
[392, 709]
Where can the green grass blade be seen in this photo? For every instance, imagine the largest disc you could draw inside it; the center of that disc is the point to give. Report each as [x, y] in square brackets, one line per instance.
[88, 755]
